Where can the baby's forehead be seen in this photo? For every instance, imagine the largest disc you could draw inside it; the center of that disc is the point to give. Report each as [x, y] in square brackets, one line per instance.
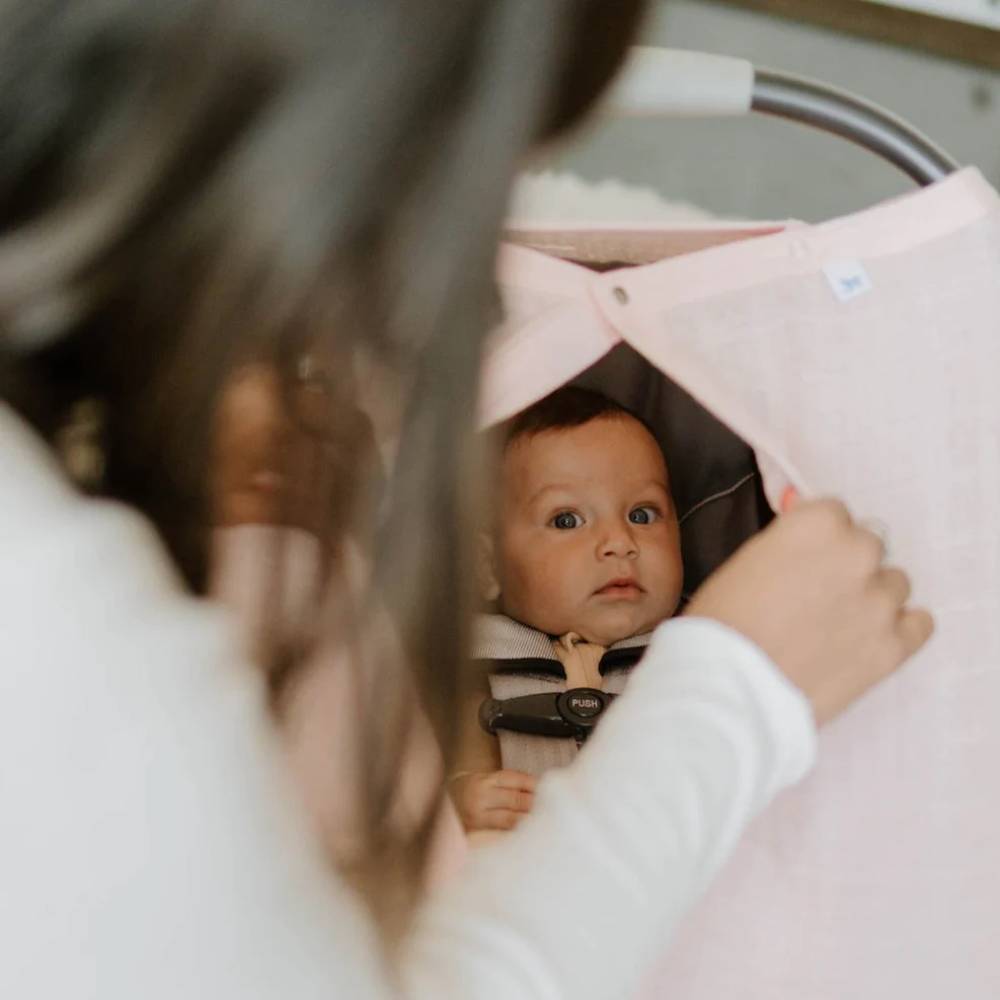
[615, 448]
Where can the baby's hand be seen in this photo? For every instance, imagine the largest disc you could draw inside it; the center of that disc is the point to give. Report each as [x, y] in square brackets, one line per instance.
[492, 800]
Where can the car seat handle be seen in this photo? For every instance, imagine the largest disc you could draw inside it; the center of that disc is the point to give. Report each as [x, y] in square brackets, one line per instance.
[665, 83]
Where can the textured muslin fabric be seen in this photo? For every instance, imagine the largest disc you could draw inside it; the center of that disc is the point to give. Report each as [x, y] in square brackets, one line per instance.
[553, 327]
[859, 358]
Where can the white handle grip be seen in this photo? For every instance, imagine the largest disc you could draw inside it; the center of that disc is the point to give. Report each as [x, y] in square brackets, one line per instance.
[674, 83]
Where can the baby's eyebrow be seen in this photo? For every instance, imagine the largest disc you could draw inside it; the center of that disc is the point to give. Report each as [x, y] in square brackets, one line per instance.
[571, 488]
[550, 488]
[656, 484]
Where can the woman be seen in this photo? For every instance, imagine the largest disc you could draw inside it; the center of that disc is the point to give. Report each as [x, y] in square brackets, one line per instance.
[183, 185]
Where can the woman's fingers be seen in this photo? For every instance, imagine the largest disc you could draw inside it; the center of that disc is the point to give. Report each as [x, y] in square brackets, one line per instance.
[812, 591]
[895, 583]
[871, 548]
[916, 626]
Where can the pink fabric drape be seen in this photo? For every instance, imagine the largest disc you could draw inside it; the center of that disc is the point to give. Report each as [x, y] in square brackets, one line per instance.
[859, 358]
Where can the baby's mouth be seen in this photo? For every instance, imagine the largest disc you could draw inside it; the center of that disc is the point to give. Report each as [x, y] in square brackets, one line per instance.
[622, 588]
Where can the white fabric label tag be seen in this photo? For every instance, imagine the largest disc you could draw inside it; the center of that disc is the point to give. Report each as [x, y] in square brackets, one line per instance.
[848, 278]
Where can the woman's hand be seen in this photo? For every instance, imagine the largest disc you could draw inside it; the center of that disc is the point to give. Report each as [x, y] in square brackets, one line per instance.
[812, 591]
[492, 800]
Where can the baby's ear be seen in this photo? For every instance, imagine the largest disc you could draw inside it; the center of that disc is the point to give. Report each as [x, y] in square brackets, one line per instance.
[486, 570]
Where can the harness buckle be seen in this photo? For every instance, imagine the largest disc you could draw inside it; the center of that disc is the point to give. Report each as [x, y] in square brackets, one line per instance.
[569, 714]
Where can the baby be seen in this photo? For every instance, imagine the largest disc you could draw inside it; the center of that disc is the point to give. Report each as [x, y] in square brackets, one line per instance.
[583, 563]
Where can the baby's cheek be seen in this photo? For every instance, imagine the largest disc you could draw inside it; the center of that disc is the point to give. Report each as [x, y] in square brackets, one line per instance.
[541, 594]
[668, 596]
[546, 584]
[520, 582]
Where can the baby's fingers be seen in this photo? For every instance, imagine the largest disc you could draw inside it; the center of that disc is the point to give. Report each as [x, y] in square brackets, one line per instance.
[502, 819]
[513, 799]
[516, 780]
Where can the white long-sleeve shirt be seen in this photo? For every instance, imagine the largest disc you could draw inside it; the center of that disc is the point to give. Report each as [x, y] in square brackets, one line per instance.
[150, 846]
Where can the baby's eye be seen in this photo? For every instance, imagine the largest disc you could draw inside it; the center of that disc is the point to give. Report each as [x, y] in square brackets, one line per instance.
[643, 515]
[565, 520]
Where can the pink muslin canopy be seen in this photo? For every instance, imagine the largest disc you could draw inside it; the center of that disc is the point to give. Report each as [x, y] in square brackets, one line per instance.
[858, 358]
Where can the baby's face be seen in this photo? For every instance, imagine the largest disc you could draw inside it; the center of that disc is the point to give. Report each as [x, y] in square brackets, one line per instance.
[588, 539]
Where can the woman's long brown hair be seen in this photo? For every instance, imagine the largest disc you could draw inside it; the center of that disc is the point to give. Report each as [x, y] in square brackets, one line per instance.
[184, 184]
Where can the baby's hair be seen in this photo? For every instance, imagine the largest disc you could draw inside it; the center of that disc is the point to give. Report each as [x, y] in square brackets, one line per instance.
[570, 406]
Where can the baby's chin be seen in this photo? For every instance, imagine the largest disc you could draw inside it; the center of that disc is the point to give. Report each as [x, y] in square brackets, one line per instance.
[605, 629]
[608, 637]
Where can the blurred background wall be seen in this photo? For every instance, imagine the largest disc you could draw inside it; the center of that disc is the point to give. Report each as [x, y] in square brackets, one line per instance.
[762, 168]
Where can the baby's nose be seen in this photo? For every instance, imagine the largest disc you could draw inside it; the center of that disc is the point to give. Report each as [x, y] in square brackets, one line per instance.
[619, 542]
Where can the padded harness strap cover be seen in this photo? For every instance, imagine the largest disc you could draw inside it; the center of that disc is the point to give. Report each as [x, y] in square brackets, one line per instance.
[523, 661]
